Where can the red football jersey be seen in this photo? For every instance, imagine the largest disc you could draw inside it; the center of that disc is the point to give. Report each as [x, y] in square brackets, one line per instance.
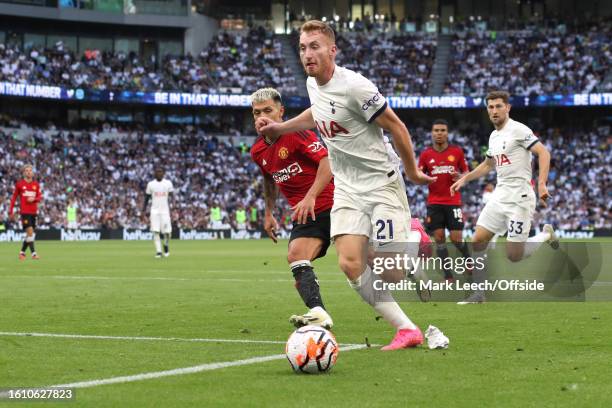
[292, 161]
[26, 190]
[442, 165]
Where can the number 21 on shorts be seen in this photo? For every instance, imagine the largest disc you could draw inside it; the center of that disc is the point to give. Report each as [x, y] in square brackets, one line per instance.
[384, 229]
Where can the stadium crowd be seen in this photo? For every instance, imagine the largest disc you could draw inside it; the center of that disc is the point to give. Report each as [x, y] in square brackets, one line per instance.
[105, 170]
[398, 64]
[531, 62]
[524, 62]
[245, 61]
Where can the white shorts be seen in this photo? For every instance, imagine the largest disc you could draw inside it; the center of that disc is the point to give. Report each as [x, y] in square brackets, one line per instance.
[72, 225]
[160, 222]
[382, 215]
[499, 217]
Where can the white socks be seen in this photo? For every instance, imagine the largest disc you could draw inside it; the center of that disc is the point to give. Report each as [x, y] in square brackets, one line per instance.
[381, 300]
[534, 243]
[157, 241]
[394, 315]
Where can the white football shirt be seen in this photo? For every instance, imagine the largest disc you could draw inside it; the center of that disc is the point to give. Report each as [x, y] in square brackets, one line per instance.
[509, 148]
[159, 191]
[344, 110]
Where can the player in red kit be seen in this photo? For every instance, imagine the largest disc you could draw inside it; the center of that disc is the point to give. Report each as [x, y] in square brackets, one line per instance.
[30, 195]
[447, 163]
[297, 165]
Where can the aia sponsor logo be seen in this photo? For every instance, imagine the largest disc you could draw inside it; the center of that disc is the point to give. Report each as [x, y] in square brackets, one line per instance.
[502, 160]
[334, 128]
[285, 174]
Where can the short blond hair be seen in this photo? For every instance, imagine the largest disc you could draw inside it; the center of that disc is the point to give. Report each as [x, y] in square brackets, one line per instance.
[318, 25]
[265, 94]
[27, 166]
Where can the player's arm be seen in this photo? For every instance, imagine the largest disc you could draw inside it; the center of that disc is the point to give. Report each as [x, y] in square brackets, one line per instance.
[481, 170]
[462, 166]
[389, 121]
[306, 206]
[38, 197]
[13, 199]
[543, 168]
[146, 203]
[170, 196]
[269, 128]
[147, 197]
[270, 195]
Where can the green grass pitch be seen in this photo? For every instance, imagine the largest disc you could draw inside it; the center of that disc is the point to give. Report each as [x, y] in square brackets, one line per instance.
[501, 354]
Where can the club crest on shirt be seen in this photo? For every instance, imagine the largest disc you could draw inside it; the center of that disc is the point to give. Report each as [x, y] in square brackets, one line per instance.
[283, 153]
[451, 158]
[333, 108]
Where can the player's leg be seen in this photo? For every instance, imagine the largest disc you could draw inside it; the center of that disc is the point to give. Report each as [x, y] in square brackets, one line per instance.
[436, 224]
[391, 235]
[454, 222]
[156, 229]
[302, 251]
[25, 224]
[30, 234]
[166, 232]
[519, 245]
[351, 228]
[492, 220]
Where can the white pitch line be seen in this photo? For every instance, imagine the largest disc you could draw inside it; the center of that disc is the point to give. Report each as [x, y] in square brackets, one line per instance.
[140, 338]
[179, 371]
[153, 278]
[177, 339]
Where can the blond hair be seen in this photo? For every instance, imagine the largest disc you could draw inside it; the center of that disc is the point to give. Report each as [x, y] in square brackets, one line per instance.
[265, 94]
[317, 25]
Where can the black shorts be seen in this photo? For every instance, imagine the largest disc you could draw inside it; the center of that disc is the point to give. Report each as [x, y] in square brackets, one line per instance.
[440, 216]
[314, 229]
[28, 220]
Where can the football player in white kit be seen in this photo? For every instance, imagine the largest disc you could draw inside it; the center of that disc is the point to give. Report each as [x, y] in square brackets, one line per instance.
[158, 190]
[513, 202]
[369, 198]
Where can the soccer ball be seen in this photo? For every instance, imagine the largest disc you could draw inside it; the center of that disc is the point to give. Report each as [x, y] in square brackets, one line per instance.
[312, 350]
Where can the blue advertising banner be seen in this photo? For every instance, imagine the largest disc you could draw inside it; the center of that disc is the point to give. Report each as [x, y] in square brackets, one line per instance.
[242, 100]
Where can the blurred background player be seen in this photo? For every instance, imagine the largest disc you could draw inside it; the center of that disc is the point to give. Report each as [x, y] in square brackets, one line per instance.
[71, 216]
[297, 164]
[512, 204]
[216, 216]
[369, 199]
[30, 195]
[447, 163]
[159, 189]
[240, 218]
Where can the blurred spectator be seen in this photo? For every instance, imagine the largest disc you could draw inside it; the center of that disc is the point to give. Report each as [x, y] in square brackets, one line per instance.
[531, 62]
[213, 179]
[245, 61]
[398, 65]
